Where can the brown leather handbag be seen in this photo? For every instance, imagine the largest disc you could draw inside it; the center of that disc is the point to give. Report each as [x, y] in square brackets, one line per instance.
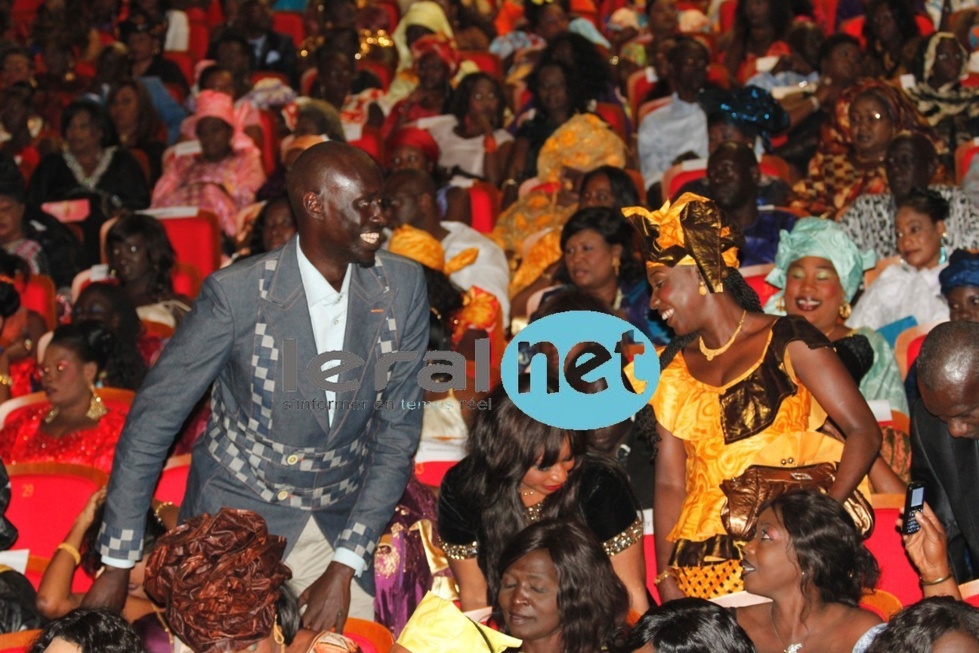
[759, 484]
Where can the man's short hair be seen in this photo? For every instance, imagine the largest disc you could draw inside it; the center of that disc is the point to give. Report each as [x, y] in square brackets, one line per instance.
[950, 354]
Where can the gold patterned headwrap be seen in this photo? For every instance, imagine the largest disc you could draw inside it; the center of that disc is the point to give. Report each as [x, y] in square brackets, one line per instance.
[584, 142]
[422, 247]
[688, 232]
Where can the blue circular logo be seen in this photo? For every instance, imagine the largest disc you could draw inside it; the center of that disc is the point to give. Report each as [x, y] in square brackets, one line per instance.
[591, 349]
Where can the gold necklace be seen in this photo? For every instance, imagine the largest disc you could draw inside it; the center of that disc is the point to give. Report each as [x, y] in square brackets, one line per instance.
[709, 353]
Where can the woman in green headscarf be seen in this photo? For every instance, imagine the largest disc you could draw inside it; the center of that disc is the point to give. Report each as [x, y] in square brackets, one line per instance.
[819, 270]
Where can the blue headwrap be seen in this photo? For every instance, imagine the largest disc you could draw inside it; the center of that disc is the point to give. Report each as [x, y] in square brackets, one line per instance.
[825, 239]
[962, 270]
[751, 109]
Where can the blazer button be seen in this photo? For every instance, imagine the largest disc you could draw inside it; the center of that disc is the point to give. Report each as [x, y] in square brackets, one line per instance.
[292, 460]
[282, 495]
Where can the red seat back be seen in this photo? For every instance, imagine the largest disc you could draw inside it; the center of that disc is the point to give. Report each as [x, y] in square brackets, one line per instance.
[897, 576]
[484, 201]
[270, 138]
[198, 41]
[485, 61]
[185, 61]
[371, 142]
[637, 86]
[39, 295]
[382, 72]
[614, 115]
[682, 173]
[963, 157]
[196, 240]
[45, 499]
[173, 480]
[291, 23]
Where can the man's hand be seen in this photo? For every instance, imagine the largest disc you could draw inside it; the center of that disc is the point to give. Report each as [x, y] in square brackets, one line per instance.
[327, 600]
[109, 591]
[927, 547]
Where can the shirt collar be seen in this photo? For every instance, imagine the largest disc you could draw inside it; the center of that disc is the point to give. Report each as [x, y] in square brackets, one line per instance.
[316, 286]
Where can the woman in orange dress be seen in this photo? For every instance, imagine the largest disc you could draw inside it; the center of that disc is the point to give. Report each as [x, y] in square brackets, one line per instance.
[736, 390]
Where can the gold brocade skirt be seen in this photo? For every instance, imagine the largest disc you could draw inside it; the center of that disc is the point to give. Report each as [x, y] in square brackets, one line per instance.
[711, 580]
[708, 569]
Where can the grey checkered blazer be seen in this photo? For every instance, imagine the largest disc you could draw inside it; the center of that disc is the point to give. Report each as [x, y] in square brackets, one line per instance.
[264, 448]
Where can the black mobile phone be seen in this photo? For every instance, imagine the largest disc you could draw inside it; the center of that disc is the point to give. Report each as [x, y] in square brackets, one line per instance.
[913, 503]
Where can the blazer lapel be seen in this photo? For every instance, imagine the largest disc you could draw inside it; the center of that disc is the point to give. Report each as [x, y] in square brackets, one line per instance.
[287, 315]
[368, 314]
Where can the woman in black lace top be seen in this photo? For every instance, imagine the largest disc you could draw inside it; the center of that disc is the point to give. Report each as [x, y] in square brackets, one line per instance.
[520, 471]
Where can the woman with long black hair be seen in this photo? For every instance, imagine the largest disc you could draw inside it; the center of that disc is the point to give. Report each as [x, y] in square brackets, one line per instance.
[520, 471]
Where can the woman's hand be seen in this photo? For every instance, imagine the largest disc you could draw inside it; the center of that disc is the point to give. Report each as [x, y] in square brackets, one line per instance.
[17, 350]
[483, 125]
[87, 515]
[669, 590]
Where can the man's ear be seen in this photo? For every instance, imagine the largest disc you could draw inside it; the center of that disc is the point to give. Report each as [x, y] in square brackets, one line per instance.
[755, 174]
[312, 205]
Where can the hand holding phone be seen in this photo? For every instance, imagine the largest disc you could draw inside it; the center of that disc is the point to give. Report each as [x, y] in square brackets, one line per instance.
[913, 503]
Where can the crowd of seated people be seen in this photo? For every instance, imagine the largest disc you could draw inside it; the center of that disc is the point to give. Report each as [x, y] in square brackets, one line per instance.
[780, 196]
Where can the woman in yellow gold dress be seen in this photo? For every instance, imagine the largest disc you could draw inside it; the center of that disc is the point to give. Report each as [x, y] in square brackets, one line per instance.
[737, 389]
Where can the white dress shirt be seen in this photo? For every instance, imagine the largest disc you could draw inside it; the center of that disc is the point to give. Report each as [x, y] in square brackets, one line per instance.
[327, 314]
[667, 133]
[328, 318]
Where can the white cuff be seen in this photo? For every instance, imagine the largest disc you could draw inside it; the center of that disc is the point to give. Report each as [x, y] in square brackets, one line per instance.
[119, 563]
[351, 559]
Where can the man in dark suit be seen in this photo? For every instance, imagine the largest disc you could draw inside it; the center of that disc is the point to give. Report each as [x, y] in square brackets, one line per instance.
[945, 438]
[324, 464]
[271, 50]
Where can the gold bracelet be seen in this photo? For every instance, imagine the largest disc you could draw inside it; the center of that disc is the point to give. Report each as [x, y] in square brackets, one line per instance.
[663, 575]
[72, 551]
[159, 508]
[937, 581]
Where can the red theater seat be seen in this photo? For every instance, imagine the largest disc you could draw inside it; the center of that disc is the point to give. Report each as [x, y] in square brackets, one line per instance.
[46, 498]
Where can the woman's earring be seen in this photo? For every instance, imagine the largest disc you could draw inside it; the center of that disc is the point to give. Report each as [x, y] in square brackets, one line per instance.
[943, 252]
[616, 264]
[96, 409]
[780, 304]
[702, 288]
[845, 310]
[277, 634]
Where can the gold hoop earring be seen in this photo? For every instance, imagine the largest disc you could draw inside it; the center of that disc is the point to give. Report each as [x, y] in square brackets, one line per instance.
[96, 409]
[845, 310]
[616, 264]
[277, 633]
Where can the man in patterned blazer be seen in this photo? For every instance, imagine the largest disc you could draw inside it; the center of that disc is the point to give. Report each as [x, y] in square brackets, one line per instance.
[324, 464]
